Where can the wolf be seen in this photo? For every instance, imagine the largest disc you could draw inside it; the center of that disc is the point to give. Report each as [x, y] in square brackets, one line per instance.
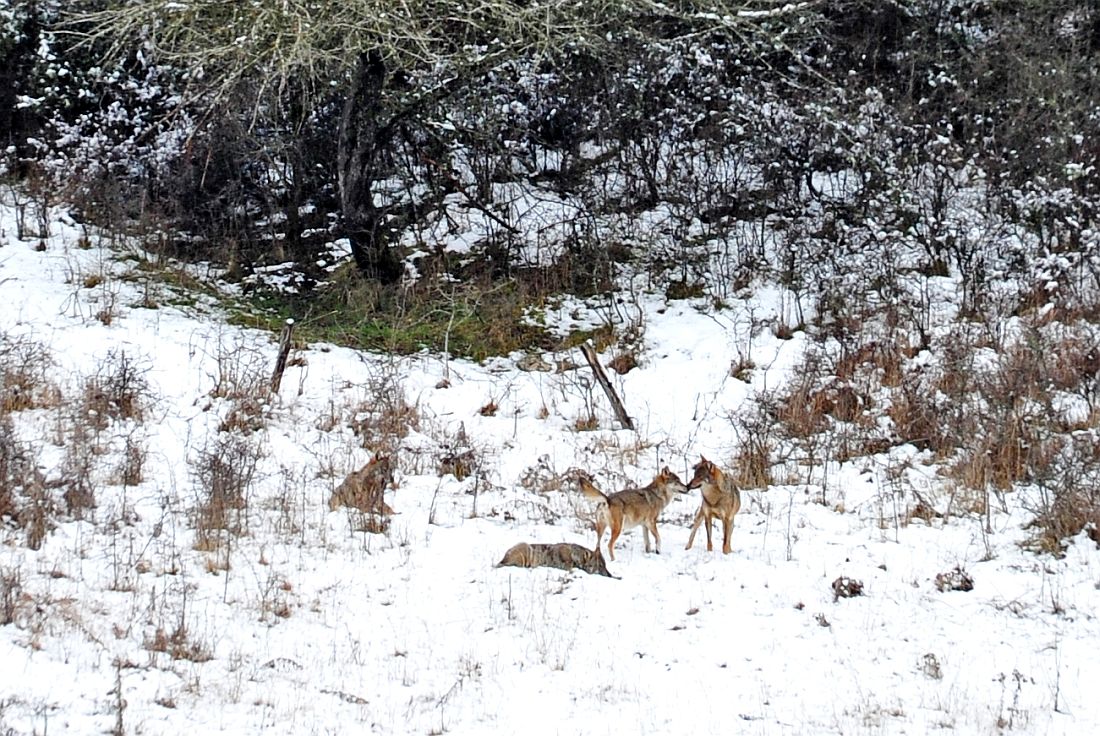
[363, 488]
[632, 507]
[563, 555]
[721, 499]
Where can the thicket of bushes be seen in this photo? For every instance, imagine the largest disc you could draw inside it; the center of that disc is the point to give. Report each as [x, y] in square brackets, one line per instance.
[949, 136]
[856, 152]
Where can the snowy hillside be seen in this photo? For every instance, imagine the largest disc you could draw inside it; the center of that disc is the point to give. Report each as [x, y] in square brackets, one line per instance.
[132, 602]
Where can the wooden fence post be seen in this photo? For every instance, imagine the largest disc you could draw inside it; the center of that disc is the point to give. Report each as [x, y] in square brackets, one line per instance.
[617, 406]
[284, 351]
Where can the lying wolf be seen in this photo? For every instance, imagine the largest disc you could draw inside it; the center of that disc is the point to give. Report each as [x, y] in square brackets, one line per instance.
[563, 555]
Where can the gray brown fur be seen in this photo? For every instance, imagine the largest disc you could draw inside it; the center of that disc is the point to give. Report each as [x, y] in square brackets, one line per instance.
[364, 488]
[633, 507]
[564, 555]
[720, 499]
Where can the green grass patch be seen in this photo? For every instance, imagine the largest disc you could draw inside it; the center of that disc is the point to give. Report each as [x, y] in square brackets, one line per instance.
[683, 289]
[181, 289]
[602, 337]
[476, 320]
[477, 317]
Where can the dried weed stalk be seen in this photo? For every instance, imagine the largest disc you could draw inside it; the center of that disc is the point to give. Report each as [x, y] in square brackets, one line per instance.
[224, 473]
[385, 416]
[24, 375]
[118, 391]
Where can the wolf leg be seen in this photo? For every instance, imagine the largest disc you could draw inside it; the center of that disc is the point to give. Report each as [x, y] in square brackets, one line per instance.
[727, 532]
[694, 528]
[656, 539]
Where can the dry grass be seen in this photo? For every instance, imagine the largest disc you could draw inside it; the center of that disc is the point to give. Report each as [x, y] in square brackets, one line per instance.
[916, 416]
[118, 391]
[241, 379]
[130, 470]
[804, 412]
[542, 477]
[1068, 501]
[224, 473]
[742, 369]
[24, 375]
[13, 464]
[178, 645]
[587, 422]
[245, 415]
[880, 358]
[78, 480]
[757, 438]
[992, 410]
[11, 590]
[458, 456]
[385, 415]
[24, 495]
[954, 579]
[38, 510]
[845, 587]
[241, 370]
[802, 408]
[998, 408]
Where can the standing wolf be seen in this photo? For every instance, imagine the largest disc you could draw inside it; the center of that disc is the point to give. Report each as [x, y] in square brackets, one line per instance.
[721, 499]
[563, 555]
[632, 507]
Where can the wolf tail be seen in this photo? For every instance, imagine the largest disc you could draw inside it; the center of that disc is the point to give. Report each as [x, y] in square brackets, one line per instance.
[590, 490]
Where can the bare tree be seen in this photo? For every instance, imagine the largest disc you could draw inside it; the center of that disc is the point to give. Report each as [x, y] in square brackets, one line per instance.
[392, 61]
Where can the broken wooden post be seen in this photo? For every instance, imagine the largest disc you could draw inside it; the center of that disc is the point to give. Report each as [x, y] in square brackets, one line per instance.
[284, 351]
[601, 378]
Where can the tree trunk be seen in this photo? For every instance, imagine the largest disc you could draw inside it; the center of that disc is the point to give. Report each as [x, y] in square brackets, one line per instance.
[362, 143]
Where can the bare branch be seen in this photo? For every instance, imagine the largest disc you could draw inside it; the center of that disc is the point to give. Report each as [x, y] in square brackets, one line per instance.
[316, 43]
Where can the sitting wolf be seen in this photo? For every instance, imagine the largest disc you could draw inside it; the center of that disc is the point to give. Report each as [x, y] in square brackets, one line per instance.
[563, 555]
[363, 489]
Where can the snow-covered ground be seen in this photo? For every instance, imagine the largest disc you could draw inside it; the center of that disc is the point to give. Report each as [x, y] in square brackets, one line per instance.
[302, 625]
